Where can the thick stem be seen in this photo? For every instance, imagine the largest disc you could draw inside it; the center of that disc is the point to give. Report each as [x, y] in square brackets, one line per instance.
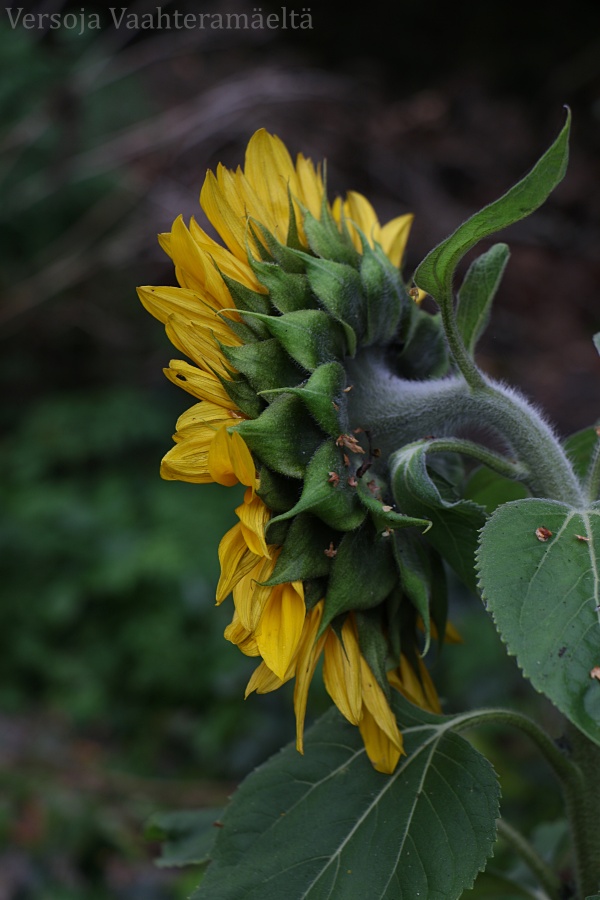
[397, 412]
[583, 804]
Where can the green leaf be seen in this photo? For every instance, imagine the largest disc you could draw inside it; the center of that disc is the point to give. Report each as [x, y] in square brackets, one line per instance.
[187, 836]
[544, 596]
[489, 489]
[455, 523]
[327, 825]
[435, 273]
[477, 292]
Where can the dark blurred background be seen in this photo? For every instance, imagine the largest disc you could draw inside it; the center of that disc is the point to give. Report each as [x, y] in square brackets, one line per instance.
[118, 694]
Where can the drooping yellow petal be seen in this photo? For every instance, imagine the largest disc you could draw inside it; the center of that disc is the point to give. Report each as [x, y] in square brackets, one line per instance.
[203, 385]
[254, 516]
[263, 681]
[225, 262]
[244, 639]
[196, 429]
[309, 650]
[230, 461]
[416, 687]
[236, 561]
[382, 752]
[342, 671]
[250, 594]
[280, 626]
[376, 703]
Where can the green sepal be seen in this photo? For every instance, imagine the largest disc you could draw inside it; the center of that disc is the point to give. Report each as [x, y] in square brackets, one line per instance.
[284, 437]
[324, 397]
[325, 238]
[384, 295]
[425, 351]
[309, 336]
[282, 254]
[314, 591]
[278, 492]
[455, 522]
[435, 273]
[474, 299]
[373, 644]
[362, 574]
[370, 490]
[276, 532]
[245, 332]
[243, 395]
[335, 504]
[303, 553]
[247, 300]
[265, 364]
[338, 288]
[288, 291]
[415, 577]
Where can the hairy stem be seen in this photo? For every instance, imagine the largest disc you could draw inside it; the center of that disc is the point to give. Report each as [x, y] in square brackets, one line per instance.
[538, 866]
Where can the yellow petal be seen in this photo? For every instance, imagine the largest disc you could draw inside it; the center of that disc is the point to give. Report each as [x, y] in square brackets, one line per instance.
[360, 212]
[198, 337]
[271, 173]
[230, 225]
[196, 429]
[236, 561]
[376, 703]
[311, 188]
[383, 752]
[309, 650]
[280, 626]
[250, 595]
[254, 516]
[225, 262]
[418, 688]
[394, 236]
[341, 671]
[244, 639]
[263, 681]
[230, 461]
[203, 385]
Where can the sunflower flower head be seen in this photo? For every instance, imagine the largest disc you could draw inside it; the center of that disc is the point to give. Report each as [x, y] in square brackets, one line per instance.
[280, 325]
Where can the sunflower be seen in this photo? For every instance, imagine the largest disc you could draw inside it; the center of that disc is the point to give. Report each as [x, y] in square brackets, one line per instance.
[271, 320]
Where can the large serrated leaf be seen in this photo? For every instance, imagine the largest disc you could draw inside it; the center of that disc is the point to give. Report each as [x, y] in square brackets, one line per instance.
[187, 836]
[434, 274]
[326, 825]
[543, 590]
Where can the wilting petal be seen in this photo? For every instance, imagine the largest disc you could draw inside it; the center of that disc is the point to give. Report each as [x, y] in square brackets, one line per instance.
[309, 650]
[230, 461]
[280, 626]
[244, 639]
[376, 703]
[382, 752]
[341, 671]
[236, 561]
[250, 595]
[263, 681]
[254, 516]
